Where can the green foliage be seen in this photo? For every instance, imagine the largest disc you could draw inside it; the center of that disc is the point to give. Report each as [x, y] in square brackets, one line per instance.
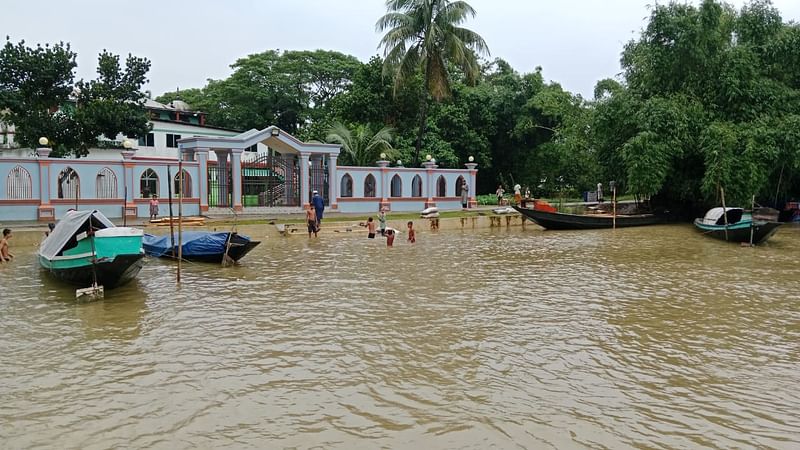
[706, 89]
[38, 90]
[425, 35]
[360, 146]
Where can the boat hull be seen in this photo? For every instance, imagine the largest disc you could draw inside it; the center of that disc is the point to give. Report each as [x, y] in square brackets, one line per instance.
[111, 273]
[561, 221]
[239, 247]
[739, 232]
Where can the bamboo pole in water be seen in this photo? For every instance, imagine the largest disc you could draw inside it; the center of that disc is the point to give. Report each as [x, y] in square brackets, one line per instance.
[180, 216]
[614, 205]
[724, 211]
[752, 218]
[171, 228]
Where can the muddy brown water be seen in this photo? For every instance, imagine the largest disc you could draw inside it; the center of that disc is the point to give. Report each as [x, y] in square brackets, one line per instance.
[652, 337]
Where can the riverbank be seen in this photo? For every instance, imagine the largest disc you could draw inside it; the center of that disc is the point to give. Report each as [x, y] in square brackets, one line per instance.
[28, 234]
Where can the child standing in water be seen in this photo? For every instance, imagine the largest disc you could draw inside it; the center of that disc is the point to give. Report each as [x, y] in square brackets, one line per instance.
[412, 234]
[370, 226]
[382, 222]
[5, 254]
[154, 207]
[311, 220]
[389, 237]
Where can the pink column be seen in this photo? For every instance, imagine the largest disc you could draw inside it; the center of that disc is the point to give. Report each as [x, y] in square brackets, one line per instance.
[236, 175]
[201, 154]
[431, 188]
[305, 183]
[473, 202]
[384, 204]
[45, 211]
[333, 184]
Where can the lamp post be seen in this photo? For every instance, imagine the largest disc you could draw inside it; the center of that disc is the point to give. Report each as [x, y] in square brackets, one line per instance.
[43, 151]
[127, 149]
[472, 167]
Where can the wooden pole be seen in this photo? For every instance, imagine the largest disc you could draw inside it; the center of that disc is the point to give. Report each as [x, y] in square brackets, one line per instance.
[614, 206]
[724, 211]
[180, 216]
[171, 227]
[752, 219]
[125, 209]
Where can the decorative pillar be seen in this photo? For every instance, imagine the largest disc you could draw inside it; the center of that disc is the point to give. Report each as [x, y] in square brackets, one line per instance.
[431, 187]
[304, 181]
[129, 208]
[201, 154]
[223, 181]
[333, 185]
[385, 204]
[45, 212]
[473, 202]
[236, 175]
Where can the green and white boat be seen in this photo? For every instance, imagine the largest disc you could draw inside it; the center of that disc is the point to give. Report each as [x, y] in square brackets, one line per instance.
[85, 244]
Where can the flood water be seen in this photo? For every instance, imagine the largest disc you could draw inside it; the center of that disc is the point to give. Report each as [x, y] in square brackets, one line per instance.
[653, 337]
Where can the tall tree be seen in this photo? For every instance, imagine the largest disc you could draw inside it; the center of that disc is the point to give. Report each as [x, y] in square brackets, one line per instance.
[38, 92]
[426, 35]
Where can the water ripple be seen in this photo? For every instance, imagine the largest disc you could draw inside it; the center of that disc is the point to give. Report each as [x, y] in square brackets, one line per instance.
[643, 338]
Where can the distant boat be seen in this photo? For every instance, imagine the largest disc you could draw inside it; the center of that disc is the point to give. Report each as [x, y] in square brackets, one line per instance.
[83, 239]
[739, 226]
[561, 221]
[200, 246]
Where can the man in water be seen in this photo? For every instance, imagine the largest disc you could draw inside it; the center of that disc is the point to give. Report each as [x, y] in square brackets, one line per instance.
[312, 221]
[319, 206]
[5, 254]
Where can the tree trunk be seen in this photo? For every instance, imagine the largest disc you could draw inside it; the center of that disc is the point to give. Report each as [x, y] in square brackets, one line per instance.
[423, 122]
[423, 113]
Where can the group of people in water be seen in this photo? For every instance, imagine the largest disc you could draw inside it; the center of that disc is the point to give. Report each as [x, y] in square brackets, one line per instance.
[316, 209]
[388, 233]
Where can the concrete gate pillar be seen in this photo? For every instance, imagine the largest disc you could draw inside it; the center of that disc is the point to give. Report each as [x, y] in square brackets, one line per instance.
[236, 175]
[304, 180]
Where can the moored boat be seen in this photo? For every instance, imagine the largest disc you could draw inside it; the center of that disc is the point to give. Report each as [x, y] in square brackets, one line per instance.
[562, 221]
[738, 227]
[200, 246]
[85, 244]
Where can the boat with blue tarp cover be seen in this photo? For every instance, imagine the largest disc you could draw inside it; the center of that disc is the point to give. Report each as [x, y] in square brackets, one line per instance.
[201, 246]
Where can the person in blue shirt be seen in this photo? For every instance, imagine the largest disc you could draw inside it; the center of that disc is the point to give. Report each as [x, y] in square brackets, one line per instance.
[319, 205]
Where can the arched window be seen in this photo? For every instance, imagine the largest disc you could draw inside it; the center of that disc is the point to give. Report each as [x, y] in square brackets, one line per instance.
[18, 184]
[186, 189]
[397, 186]
[148, 183]
[369, 186]
[69, 184]
[346, 188]
[106, 183]
[459, 184]
[416, 186]
[441, 187]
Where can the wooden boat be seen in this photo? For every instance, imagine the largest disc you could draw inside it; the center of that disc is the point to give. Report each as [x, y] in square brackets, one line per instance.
[562, 221]
[85, 243]
[739, 226]
[200, 246]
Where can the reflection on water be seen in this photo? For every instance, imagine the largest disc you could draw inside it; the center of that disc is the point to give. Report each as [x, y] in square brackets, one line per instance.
[649, 338]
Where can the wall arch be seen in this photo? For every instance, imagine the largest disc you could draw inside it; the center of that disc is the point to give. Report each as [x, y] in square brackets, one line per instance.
[185, 190]
[106, 184]
[396, 186]
[69, 183]
[416, 186]
[441, 187]
[346, 186]
[148, 183]
[19, 184]
[369, 186]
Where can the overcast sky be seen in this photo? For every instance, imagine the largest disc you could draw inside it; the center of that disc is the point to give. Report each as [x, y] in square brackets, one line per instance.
[577, 42]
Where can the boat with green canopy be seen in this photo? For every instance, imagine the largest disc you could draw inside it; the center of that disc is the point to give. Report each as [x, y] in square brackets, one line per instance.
[735, 225]
[86, 248]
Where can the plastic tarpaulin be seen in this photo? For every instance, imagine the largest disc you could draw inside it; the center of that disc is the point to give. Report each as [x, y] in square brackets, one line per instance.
[195, 243]
[72, 223]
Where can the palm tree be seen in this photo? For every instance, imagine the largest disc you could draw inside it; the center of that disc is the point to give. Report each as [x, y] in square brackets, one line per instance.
[360, 147]
[425, 34]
